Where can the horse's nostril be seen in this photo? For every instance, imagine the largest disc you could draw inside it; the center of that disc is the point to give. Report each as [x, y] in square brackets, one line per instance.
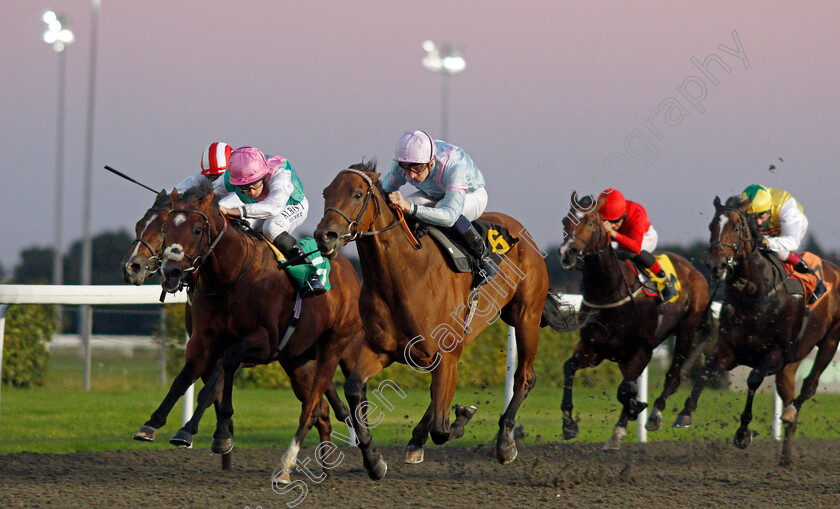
[133, 268]
[330, 236]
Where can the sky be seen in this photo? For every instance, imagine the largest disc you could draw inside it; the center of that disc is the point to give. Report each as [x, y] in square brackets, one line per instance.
[673, 103]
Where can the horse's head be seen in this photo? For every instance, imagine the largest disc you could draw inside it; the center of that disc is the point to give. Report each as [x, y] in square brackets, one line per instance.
[187, 234]
[143, 258]
[352, 202]
[732, 237]
[583, 232]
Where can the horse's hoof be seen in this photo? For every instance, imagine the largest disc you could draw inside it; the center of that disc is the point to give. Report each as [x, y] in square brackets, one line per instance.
[181, 438]
[222, 445]
[506, 453]
[742, 439]
[682, 421]
[570, 429]
[282, 477]
[414, 454]
[614, 443]
[654, 422]
[789, 415]
[146, 434]
[611, 445]
[378, 469]
[465, 412]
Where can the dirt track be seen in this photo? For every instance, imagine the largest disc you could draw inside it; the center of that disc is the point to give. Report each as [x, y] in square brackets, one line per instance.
[660, 474]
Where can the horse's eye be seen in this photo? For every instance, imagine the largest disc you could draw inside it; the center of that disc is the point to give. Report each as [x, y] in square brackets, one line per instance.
[358, 195]
[198, 230]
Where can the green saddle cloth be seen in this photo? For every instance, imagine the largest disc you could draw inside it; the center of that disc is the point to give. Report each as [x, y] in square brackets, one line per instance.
[300, 273]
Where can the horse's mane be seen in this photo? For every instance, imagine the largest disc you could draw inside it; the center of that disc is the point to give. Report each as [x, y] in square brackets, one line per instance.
[199, 192]
[369, 167]
[736, 202]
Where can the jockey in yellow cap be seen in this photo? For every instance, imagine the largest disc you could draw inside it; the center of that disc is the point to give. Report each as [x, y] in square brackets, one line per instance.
[783, 222]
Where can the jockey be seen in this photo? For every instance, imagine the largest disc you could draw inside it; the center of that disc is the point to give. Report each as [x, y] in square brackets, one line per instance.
[782, 219]
[629, 227]
[272, 200]
[450, 189]
[214, 163]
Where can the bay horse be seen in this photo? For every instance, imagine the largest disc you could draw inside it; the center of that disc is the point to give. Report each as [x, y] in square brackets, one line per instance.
[621, 322]
[413, 307]
[762, 325]
[142, 261]
[241, 306]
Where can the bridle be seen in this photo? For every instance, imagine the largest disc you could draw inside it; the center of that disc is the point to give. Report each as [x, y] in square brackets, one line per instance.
[744, 237]
[353, 231]
[155, 255]
[197, 261]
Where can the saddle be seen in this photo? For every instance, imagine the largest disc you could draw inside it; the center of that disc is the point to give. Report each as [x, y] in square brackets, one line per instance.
[497, 241]
[796, 283]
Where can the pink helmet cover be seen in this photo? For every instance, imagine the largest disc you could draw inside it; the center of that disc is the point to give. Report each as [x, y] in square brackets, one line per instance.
[248, 164]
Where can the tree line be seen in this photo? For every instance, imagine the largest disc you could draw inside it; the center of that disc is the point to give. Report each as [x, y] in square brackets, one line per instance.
[108, 249]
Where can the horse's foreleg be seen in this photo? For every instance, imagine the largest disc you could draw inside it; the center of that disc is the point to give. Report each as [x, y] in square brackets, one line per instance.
[206, 397]
[189, 374]
[442, 390]
[254, 348]
[771, 363]
[582, 357]
[355, 390]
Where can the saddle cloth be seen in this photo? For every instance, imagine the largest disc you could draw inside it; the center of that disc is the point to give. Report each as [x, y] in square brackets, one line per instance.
[497, 240]
[645, 276]
[809, 281]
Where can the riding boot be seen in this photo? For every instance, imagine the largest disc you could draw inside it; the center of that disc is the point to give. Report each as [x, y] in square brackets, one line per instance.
[668, 290]
[290, 248]
[803, 268]
[473, 240]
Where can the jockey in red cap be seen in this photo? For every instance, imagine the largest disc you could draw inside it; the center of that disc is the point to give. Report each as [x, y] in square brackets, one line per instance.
[635, 237]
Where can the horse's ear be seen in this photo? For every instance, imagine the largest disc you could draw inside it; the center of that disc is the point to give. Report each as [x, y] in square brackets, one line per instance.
[574, 198]
[174, 195]
[601, 201]
[717, 202]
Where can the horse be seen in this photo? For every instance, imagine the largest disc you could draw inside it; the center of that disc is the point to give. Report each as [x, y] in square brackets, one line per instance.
[142, 261]
[242, 308]
[762, 325]
[621, 322]
[413, 307]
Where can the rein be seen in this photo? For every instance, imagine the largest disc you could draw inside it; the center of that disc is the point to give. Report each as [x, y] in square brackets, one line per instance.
[353, 231]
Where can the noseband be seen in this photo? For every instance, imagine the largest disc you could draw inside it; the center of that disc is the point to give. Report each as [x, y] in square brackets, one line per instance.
[353, 231]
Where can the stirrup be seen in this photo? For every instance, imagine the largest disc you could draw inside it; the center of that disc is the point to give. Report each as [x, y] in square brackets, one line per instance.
[487, 269]
[312, 287]
[668, 290]
[818, 292]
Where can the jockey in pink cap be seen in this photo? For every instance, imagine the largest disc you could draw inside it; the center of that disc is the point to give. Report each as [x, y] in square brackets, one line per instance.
[270, 197]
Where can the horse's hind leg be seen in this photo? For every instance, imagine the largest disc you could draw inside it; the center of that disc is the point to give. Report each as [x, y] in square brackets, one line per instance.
[355, 390]
[527, 336]
[785, 387]
[721, 358]
[208, 394]
[682, 348]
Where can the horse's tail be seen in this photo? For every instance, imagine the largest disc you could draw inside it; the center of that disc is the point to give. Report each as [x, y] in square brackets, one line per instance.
[560, 314]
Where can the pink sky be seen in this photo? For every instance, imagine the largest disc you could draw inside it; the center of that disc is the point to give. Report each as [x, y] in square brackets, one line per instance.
[552, 90]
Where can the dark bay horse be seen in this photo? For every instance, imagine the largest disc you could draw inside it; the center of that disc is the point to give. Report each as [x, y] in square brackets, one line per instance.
[622, 323]
[142, 259]
[413, 307]
[241, 307]
[762, 325]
